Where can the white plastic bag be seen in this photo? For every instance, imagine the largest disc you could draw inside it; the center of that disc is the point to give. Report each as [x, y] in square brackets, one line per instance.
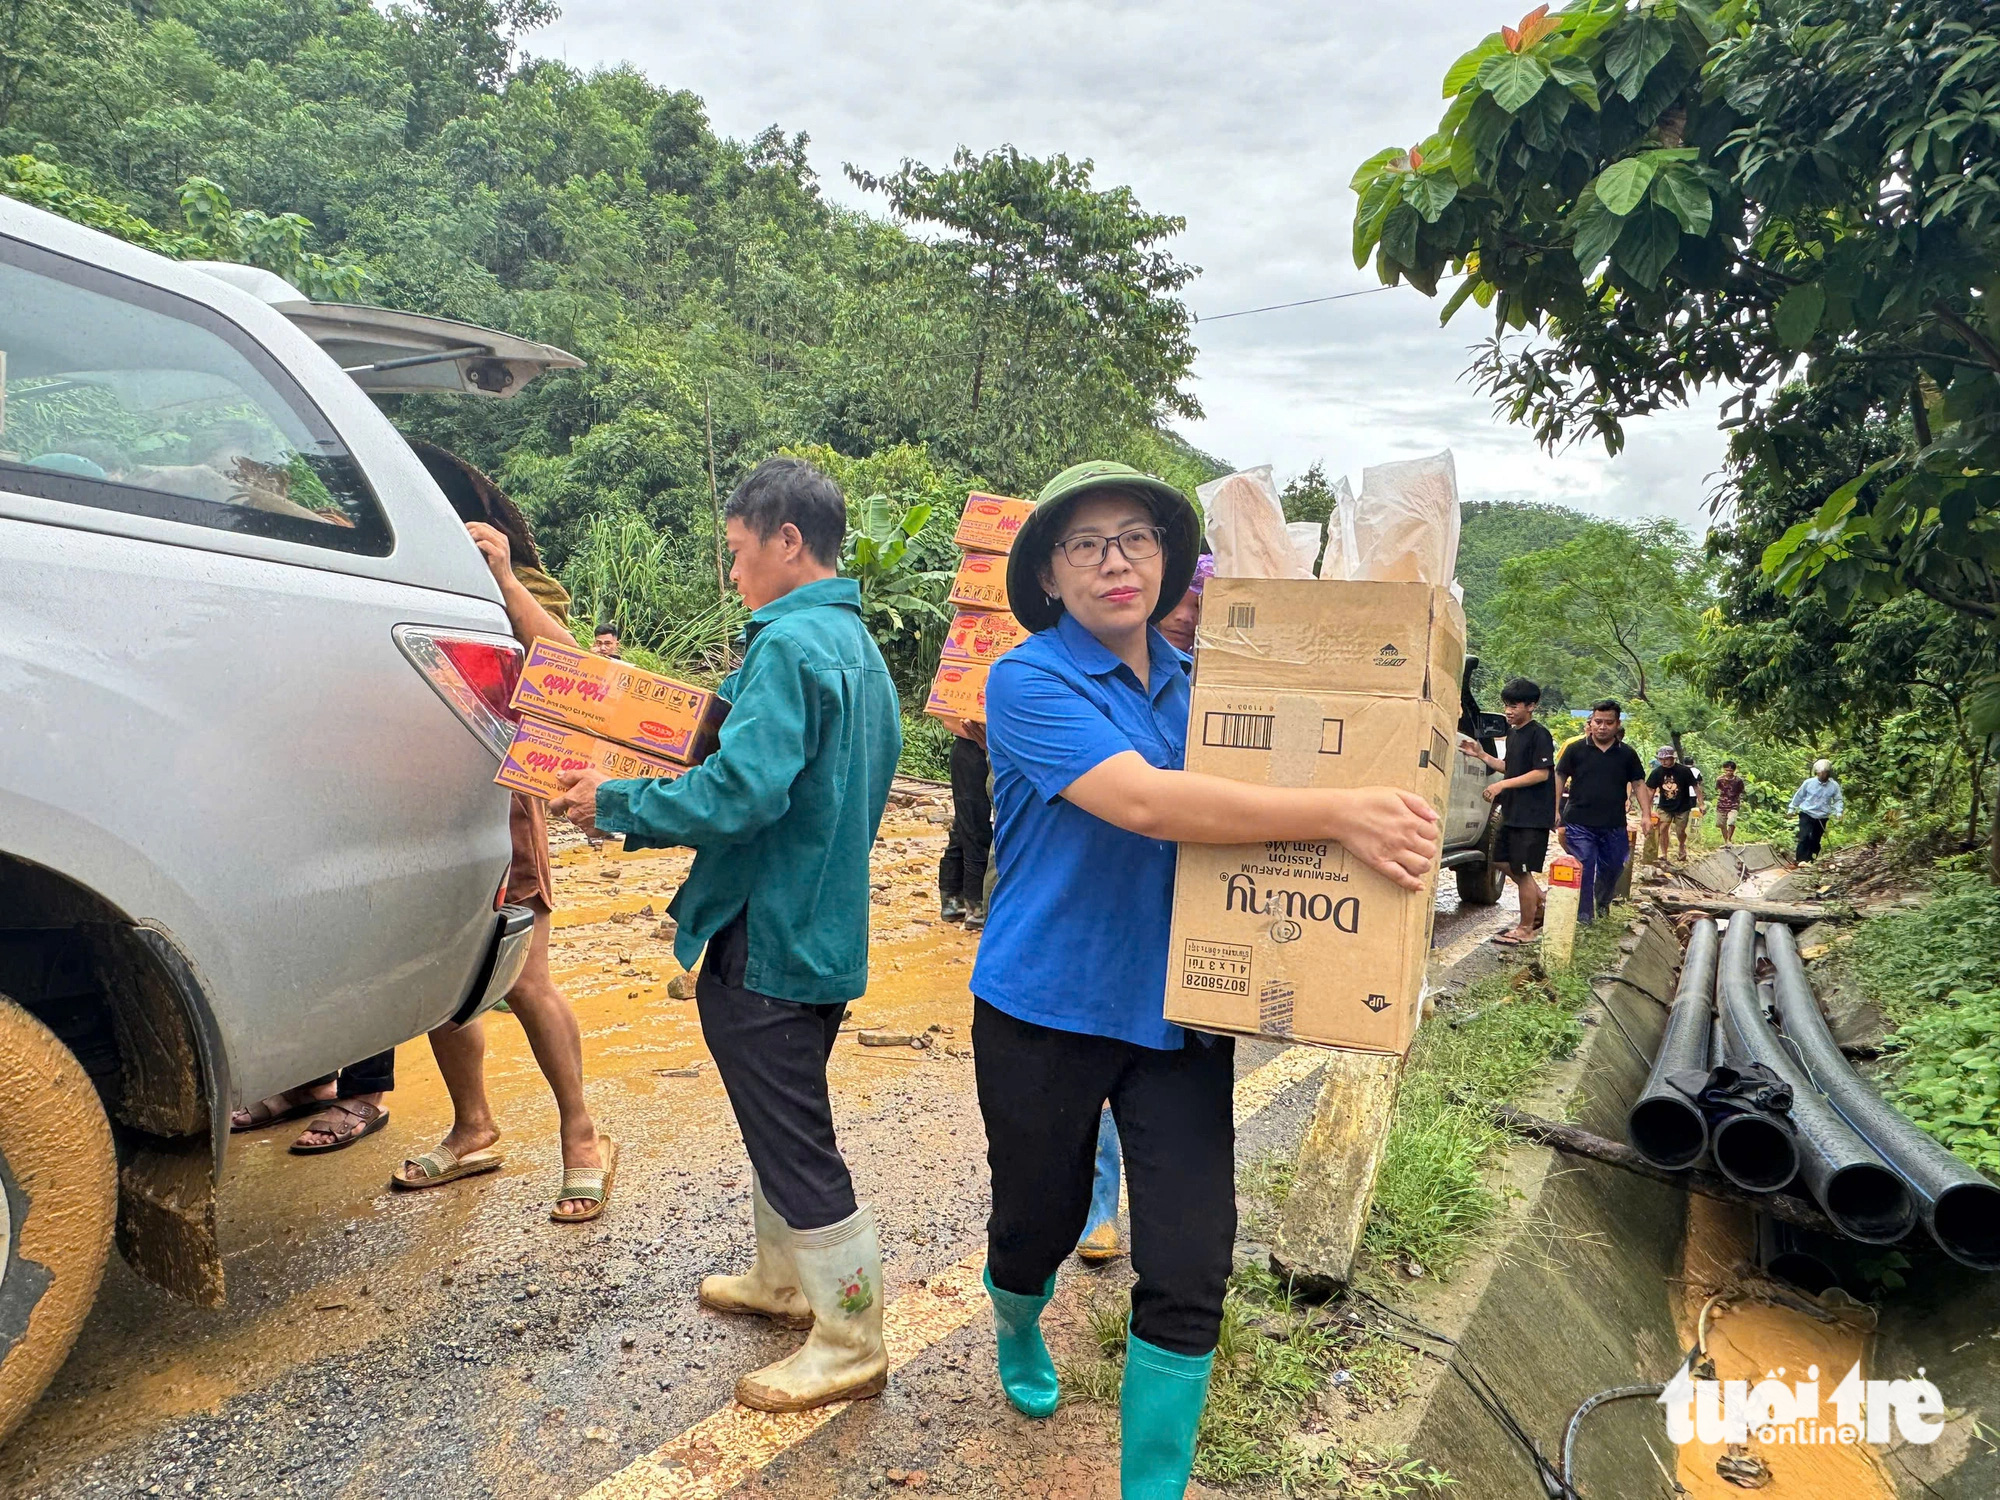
[1246, 527]
[1305, 537]
[1338, 564]
[1404, 526]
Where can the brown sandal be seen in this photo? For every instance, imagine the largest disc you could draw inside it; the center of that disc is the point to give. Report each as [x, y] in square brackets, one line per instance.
[346, 1120]
[261, 1114]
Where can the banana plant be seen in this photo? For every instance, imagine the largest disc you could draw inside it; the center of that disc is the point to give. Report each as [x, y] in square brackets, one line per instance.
[898, 598]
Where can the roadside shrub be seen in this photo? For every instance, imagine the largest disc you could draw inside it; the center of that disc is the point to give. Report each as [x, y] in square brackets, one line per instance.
[926, 748]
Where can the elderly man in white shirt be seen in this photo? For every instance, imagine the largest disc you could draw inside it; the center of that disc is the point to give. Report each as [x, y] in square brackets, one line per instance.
[1817, 802]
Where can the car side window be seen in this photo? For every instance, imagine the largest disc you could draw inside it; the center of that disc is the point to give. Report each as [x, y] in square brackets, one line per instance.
[122, 396]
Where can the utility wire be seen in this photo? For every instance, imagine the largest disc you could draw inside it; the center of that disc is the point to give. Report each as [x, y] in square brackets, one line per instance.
[1281, 306]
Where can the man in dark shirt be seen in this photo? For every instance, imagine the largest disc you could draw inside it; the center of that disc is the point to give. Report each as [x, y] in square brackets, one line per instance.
[1527, 798]
[1594, 777]
[1676, 792]
[1729, 790]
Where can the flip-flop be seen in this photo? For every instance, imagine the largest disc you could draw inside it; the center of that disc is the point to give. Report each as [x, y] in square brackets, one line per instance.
[441, 1165]
[590, 1184]
[1502, 940]
[335, 1114]
[275, 1116]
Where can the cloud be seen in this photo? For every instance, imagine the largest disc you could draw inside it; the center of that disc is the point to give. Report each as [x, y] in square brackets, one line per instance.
[1246, 119]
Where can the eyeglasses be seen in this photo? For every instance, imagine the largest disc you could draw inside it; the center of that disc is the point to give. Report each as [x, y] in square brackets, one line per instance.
[1138, 544]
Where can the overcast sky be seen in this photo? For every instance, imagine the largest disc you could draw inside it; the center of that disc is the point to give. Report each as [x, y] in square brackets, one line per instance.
[1245, 118]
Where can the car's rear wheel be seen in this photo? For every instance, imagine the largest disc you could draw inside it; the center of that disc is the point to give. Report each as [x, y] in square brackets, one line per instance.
[58, 1206]
[1482, 884]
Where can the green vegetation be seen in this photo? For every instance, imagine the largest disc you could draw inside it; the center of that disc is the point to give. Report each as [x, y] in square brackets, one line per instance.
[415, 157]
[926, 748]
[1491, 532]
[1598, 615]
[1712, 193]
[1274, 1359]
[1482, 1048]
[1935, 971]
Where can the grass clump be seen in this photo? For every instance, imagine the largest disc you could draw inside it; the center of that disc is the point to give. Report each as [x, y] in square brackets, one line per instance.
[926, 748]
[1274, 1356]
[1935, 972]
[1261, 1190]
[1911, 959]
[1320, 1464]
[1484, 1048]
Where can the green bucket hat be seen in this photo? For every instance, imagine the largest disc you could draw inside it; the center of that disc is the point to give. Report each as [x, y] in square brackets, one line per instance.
[1037, 537]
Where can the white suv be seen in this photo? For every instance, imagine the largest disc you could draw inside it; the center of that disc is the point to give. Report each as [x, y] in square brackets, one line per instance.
[254, 677]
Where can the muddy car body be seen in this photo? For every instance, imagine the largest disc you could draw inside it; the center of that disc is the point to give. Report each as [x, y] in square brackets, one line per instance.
[252, 669]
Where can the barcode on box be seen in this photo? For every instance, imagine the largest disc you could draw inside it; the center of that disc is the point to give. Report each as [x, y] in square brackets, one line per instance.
[1237, 731]
[1222, 968]
[1242, 616]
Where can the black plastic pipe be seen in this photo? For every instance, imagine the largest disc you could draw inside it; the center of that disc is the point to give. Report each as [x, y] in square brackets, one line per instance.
[1666, 1126]
[1754, 1150]
[1795, 1256]
[1845, 1175]
[1959, 1206]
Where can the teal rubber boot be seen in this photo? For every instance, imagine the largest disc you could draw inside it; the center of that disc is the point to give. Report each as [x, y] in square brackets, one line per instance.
[1027, 1374]
[1160, 1407]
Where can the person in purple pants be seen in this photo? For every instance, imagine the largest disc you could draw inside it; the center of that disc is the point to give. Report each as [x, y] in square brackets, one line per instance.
[1596, 776]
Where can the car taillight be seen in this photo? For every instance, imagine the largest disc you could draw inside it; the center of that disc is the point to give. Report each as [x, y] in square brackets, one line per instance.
[490, 668]
[474, 674]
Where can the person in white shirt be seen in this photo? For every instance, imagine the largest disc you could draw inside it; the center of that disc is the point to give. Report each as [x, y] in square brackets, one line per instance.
[1818, 801]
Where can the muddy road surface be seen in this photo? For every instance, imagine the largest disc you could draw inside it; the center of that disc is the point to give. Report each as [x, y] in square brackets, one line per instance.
[455, 1343]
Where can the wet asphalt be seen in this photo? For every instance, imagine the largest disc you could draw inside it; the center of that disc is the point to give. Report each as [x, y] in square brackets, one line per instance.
[454, 1343]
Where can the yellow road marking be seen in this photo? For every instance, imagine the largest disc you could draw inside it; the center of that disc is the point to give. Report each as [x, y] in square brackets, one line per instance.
[726, 1447]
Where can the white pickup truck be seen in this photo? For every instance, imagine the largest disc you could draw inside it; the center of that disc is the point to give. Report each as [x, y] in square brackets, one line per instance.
[256, 678]
[1471, 823]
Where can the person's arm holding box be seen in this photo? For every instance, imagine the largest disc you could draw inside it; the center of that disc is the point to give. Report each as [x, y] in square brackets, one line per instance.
[1067, 748]
[740, 790]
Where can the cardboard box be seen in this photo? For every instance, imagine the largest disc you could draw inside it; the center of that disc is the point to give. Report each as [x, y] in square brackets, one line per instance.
[990, 522]
[1313, 684]
[982, 636]
[612, 700]
[542, 752]
[981, 582]
[958, 692]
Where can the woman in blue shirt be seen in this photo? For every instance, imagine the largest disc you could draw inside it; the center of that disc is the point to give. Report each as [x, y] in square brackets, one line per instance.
[1087, 730]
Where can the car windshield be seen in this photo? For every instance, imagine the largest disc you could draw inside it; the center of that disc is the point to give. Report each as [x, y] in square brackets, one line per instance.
[134, 392]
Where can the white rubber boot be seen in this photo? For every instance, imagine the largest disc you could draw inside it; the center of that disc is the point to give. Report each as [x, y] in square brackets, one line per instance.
[840, 1270]
[771, 1289]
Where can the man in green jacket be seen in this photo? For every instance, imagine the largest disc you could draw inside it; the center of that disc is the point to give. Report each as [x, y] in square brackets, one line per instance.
[782, 818]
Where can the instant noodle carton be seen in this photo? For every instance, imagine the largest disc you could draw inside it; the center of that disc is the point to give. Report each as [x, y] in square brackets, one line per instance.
[982, 636]
[958, 692]
[542, 752]
[990, 523]
[1313, 684]
[613, 700]
[981, 582]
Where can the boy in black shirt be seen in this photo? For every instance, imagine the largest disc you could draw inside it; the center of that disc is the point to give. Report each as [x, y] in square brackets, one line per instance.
[1594, 777]
[1527, 798]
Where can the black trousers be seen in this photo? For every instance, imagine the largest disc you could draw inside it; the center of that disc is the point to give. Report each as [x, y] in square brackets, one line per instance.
[1811, 831]
[372, 1075]
[772, 1056]
[1040, 1092]
[962, 871]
